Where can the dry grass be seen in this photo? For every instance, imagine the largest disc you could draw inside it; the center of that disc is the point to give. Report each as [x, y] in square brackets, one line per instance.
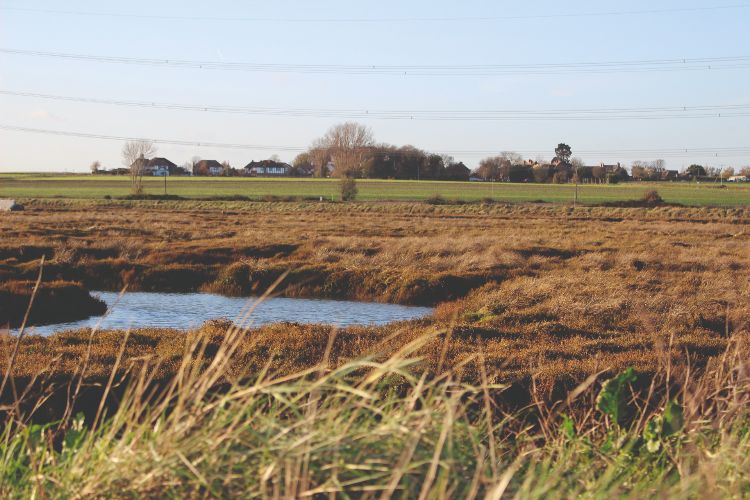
[380, 426]
[543, 291]
[495, 394]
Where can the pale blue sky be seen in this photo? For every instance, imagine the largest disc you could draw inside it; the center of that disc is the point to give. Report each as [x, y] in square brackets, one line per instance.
[394, 40]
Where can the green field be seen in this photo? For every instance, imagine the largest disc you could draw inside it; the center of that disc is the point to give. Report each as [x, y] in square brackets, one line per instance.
[22, 186]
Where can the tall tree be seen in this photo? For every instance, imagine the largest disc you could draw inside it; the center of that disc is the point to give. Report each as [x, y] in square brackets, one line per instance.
[135, 155]
[727, 173]
[563, 153]
[347, 144]
[696, 170]
[495, 168]
[512, 157]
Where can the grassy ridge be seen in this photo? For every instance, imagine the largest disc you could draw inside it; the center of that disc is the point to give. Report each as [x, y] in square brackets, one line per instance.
[87, 186]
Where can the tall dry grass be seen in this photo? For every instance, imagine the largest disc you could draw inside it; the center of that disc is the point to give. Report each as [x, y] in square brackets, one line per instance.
[375, 427]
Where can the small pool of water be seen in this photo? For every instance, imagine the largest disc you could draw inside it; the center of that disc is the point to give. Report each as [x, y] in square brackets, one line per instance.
[189, 310]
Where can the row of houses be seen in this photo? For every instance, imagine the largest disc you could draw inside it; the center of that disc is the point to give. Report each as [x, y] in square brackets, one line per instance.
[162, 167]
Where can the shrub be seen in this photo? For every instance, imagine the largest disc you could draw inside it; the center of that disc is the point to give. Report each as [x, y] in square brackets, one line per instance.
[652, 197]
[436, 199]
[349, 189]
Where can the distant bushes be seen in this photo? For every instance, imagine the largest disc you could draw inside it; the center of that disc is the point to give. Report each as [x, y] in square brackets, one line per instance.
[650, 198]
[141, 196]
[436, 199]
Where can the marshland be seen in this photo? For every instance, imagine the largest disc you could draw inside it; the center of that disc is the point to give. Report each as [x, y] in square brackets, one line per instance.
[426, 250]
[559, 334]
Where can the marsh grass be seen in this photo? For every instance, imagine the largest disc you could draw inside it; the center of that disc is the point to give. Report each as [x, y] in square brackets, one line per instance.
[373, 427]
[542, 290]
[519, 385]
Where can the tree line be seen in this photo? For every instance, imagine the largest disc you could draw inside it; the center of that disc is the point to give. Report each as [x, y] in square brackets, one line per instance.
[350, 150]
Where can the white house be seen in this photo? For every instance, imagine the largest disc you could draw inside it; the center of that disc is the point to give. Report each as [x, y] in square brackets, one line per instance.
[267, 168]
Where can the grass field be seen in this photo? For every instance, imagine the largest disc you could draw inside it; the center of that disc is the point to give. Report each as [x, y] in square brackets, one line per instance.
[21, 186]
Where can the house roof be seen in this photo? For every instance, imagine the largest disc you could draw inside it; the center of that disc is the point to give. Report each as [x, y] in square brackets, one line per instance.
[208, 164]
[153, 162]
[160, 162]
[458, 165]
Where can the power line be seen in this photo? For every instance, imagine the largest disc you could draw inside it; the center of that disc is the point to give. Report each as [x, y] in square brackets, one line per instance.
[380, 20]
[173, 142]
[643, 113]
[664, 152]
[647, 65]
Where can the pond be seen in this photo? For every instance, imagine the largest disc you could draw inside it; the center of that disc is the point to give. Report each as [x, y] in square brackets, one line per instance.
[189, 310]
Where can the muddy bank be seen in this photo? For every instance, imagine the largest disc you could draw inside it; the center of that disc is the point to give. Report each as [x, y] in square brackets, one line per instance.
[246, 278]
[55, 302]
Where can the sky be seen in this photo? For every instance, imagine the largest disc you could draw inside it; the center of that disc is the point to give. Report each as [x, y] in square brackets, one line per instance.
[387, 33]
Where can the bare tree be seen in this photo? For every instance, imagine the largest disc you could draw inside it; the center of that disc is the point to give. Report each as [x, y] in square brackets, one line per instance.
[512, 157]
[95, 166]
[135, 155]
[193, 164]
[319, 158]
[727, 173]
[713, 171]
[660, 166]
[495, 168]
[347, 145]
[227, 169]
[578, 169]
[448, 160]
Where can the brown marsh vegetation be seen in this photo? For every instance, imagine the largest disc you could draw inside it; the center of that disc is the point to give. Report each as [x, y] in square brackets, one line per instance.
[495, 393]
[542, 291]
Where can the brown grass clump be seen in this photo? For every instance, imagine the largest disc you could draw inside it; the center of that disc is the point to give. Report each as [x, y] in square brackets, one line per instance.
[652, 197]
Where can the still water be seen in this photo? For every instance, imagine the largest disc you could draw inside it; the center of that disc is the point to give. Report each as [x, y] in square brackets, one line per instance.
[189, 310]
